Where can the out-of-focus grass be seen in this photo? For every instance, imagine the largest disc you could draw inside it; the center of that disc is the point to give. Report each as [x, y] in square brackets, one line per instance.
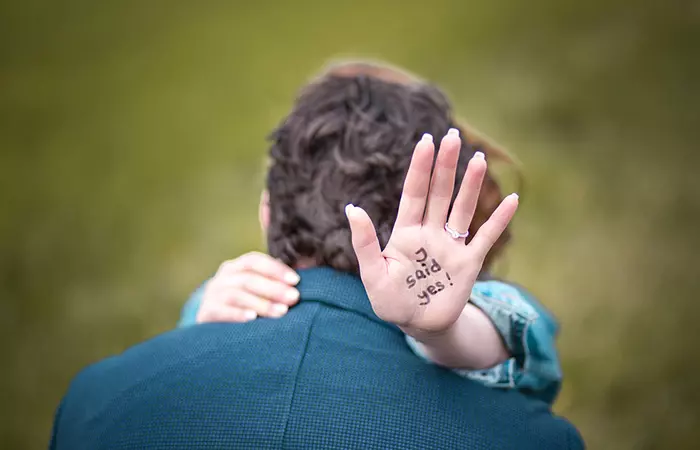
[132, 143]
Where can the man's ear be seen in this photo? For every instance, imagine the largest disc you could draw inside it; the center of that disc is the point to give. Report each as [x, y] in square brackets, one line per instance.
[264, 210]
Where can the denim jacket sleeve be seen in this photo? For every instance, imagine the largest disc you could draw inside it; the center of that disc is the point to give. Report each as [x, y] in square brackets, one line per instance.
[188, 314]
[529, 332]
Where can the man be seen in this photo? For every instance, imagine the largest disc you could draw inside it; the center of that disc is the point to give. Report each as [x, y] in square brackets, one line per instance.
[335, 371]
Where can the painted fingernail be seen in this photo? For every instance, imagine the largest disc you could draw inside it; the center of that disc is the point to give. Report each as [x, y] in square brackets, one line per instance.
[291, 295]
[478, 155]
[250, 315]
[427, 137]
[292, 278]
[279, 309]
[453, 132]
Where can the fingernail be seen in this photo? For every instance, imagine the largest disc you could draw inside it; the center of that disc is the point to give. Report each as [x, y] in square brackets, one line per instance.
[478, 155]
[514, 195]
[427, 137]
[291, 295]
[250, 315]
[292, 278]
[453, 131]
[280, 309]
[348, 208]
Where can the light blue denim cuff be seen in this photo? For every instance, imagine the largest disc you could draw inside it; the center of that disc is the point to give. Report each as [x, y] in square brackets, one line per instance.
[188, 314]
[528, 331]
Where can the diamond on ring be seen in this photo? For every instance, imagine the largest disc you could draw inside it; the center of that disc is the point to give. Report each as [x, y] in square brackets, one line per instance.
[456, 234]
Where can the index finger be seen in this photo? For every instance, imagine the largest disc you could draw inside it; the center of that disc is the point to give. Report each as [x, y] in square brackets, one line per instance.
[262, 264]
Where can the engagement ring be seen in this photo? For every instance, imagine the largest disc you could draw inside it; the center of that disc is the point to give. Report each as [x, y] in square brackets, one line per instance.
[456, 234]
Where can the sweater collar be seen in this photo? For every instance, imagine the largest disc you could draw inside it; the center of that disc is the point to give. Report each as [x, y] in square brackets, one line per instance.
[338, 289]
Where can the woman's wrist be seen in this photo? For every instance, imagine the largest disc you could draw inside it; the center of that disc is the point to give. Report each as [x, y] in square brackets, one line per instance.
[472, 342]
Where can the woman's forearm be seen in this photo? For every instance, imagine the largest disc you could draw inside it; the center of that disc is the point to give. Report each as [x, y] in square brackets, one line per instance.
[472, 342]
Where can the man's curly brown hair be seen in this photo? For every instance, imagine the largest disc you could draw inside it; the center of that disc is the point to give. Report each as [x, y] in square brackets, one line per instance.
[349, 139]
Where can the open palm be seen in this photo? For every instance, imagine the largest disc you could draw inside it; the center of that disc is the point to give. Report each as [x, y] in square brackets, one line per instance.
[423, 278]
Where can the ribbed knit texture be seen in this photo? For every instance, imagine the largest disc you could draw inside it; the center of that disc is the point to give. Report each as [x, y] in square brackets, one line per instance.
[328, 375]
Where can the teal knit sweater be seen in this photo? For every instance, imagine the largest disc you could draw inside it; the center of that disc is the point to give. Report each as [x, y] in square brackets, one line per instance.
[328, 375]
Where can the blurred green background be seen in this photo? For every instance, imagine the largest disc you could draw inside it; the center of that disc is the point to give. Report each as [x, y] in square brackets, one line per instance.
[131, 156]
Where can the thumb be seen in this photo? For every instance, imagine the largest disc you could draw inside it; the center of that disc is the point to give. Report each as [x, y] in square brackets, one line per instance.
[365, 244]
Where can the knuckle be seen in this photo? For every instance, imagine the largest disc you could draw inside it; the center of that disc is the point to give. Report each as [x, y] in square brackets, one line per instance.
[234, 316]
[251, 260]
[237, 280]
[227, 266]
[264, 264]
[252, 284]
[263, 307]
[232, 299]
[205, 315]
[246, 261]
[247, 283]
[223, 315]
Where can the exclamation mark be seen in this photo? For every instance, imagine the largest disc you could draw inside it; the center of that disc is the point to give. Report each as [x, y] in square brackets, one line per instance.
[448, 278]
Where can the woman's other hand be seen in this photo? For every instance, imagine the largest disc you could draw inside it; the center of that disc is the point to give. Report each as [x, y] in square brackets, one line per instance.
[250, 286]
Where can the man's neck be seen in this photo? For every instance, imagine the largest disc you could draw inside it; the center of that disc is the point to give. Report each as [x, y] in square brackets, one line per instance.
[304, 263]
